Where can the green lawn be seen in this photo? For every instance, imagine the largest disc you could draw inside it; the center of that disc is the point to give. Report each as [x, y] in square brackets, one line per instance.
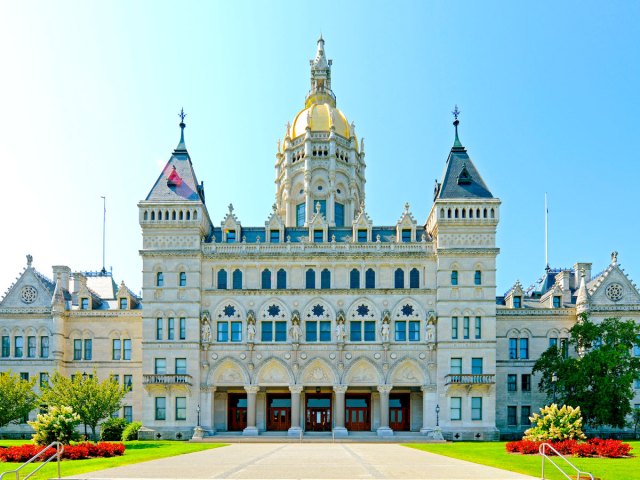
[136, 452]
[495, 455]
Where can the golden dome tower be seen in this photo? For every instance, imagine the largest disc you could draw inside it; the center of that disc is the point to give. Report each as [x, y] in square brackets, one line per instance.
[320, 164]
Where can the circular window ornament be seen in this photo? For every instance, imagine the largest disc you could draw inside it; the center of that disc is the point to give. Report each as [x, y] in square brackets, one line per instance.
[614, 292]
[28, 294]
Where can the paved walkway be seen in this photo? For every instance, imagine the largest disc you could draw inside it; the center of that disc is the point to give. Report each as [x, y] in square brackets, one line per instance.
[307, 461]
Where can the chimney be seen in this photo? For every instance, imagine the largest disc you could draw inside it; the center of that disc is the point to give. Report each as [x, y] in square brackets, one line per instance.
[576, 272]
[65, 274]
[79, 280]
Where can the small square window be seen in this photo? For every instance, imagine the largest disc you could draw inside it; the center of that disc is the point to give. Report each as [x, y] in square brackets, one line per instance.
[124, 303]
[84, 304]
[231, 236]
[318, 236]
[274, 236]
[406, 235]
[517, 302]
[362, 236]
[556, 302]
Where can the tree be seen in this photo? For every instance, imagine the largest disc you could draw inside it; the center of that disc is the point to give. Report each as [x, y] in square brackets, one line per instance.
[17, 397]
[635, 421]
[599, 377]
[90, 398]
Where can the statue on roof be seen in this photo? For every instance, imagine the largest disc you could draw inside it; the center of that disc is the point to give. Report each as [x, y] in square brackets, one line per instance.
[29, 260]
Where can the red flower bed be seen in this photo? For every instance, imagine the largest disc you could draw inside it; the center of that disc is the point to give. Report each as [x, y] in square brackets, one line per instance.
[23, 453]
[594, 447]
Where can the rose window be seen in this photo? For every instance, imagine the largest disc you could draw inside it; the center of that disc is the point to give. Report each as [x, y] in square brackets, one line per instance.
[28, 294]
[614, 292]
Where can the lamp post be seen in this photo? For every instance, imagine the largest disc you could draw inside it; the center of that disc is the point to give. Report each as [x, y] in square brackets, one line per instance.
[554, 381]
[437, 415]
[198, 410]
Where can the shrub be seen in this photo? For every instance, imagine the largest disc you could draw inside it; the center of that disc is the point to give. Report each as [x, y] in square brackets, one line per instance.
[57, 425]
[556, 424]
[593, 448]
[131, 431]
[80, 451]
[112, 429]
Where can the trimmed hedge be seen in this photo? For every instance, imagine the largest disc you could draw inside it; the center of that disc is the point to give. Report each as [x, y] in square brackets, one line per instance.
[594, 447]
[22, 453]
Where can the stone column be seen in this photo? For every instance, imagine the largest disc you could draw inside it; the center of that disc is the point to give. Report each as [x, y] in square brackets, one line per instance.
[212, 396]
[383, 429]
[339, 429]
[252, 391]
[295, 429]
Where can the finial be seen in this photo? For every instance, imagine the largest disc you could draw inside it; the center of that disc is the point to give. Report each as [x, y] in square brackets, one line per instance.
[614, 257]
[362, 206]
[29, 260]
[231, 209]
[406, 207]
[181, 145]
[182, 115]
[274, 208]
[456, 122]
[317, 207]
[320, 39]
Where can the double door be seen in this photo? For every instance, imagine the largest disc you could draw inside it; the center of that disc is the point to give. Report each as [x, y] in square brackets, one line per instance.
[278, 412]
[399, 419]
[237, 409]
[318, 413]
[358, 412]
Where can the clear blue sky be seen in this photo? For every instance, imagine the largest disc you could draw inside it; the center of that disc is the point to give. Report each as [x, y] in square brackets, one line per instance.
[90, 93]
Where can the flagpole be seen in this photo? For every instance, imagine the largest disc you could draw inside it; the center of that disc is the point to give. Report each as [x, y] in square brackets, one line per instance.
[546, 231]
[104, 224]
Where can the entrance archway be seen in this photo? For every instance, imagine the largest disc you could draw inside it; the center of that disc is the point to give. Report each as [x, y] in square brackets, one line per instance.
[318, 412]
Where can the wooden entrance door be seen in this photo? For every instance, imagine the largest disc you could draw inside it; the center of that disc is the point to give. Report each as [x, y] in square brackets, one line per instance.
[399, 419]
[318, 413]
[237, 412]
[358, 412]
[278, 412]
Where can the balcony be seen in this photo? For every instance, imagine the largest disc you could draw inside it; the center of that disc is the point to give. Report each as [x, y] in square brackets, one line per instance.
[166, 379]
[469, 379]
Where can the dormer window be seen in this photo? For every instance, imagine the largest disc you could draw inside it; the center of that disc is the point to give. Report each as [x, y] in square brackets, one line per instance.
[182, 279]
[159, 279]
[406, 235]
[124, 303]
[556, 302]
[317, 236]
[362, 236]
[274, 236]
[454, 277]
[339, 214]
[517, 302]
[84, 303]
[231, 236]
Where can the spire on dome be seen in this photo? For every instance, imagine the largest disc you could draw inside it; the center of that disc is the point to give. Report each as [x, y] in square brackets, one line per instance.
[456, 122]
[320, 78]
[181, 146]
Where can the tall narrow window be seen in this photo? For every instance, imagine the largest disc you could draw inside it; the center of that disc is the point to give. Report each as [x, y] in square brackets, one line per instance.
[310, 279]
[181, 408]
[476, 366]
[237, 279]
[512, 382]
[159, 328]
[455, 367]
[526, 382]
[124, 303]
[6, 346]
[18, 346]
[517, 302]
[300, 215]
[161, 408]
[370, 278]
[354, 278]
[456, 408]
[512, 415]
[44, 347]
[160, 366]
[31, 347]
[325, 279]
[281, 279]
[414, 278]
[556, 302]
[401, 331]
[477, 278]
[84, 303]
[126, 349]
[183, 328]
[318, 236]
[274, 236]
[525, 412]
[478, 328]
[476, 408]
[339, 214]
[398, 277]
[465, 327]
[127, 413]
[414, 331]
[181, 366]
[355, 331]
[524, 348]
[266, 279]
[159, 279]
[231, 236]
[171, 328]
[182, 280]
[44, 380]
[88, 349]
[454, 328]
[513, 348]
[116, 349]
[128, 382]
[222, 279]
[454, 277]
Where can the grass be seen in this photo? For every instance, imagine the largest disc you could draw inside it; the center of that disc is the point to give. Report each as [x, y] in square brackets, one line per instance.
[494, 454]
[136, 452]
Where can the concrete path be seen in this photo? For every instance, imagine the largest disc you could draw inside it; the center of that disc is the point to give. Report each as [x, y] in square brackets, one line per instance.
[307, 461]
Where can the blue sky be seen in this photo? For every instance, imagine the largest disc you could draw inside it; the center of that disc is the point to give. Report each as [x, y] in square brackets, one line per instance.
[91, 91]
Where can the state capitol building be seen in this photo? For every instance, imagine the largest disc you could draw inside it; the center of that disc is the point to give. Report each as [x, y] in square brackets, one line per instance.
[317, 320]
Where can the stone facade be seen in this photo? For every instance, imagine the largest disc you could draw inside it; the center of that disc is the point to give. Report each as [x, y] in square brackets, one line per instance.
[318, 320]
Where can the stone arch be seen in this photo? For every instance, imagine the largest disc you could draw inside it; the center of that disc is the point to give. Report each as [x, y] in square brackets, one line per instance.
[228, 309]
[480, 312]
[454, 266]
[407, 372]
[30, 330]
[363, 372]
[75, 333]
[274, 371]
[370, 312]
[228, 371]
[115, 333]
[318, 372]
[526, 333]
[43, 331]
[407, 309]
[268, 312]
[312, 312]
[512, 333]
[553, 332]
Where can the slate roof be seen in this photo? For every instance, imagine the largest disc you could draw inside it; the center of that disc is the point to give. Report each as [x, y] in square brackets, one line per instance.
[178, 181]
[455, 185]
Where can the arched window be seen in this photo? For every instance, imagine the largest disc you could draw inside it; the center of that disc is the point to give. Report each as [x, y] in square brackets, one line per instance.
[493, 213]
[477, 278]
[281, 280]
[237, 279]
[471, 213]
[370, 278]
[485, 213]
[146, 215]
[477, 213]
[173, 214]
[153, 215]
[222, 279]
[464, 213]
[195, 214]
[354, 278]
[310, 278]
[325, 279]
[181, 215]
[266, 279]
[456, 213]
[159, 279]
[399, 278]
[454, 277]
[414, 278]
[449, 213]
[182, 279]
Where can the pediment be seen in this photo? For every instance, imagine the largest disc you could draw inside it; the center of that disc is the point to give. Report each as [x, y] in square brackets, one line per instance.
[614, 288]
[30, 290]
[273, 373]
[318, 373]
[362, 373]
[407, 373]
[228, 373]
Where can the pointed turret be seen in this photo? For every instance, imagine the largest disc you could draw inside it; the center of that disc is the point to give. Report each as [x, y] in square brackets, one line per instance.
[320, 91]
[583, 298]
[58, 299]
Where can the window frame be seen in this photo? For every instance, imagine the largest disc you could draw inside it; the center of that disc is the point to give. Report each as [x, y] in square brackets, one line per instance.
[454, 278]
[160, 410]
[182, 279]
[512, 382]
[455, 408]
[181, 409]
[159, 279]
[476, 408]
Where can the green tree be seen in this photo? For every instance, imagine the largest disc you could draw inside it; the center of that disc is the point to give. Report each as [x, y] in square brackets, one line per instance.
[598, 378]
[17, 397]
[90, 398]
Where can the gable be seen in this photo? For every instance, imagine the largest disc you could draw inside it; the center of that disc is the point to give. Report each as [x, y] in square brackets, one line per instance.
[31, 289]
[614, 288]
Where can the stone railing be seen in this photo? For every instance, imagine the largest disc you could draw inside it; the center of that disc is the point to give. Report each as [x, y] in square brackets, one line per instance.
[469, 379]
[310, 247]
[166, 379]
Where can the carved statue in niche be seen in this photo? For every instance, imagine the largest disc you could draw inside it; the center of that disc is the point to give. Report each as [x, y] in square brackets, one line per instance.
[205, 328]
[251, 330]
[340, 333]
[295, 331]
[384, 330]
[431, 332]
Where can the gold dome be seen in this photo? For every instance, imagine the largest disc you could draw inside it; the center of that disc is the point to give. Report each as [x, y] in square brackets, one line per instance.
[320, 118]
